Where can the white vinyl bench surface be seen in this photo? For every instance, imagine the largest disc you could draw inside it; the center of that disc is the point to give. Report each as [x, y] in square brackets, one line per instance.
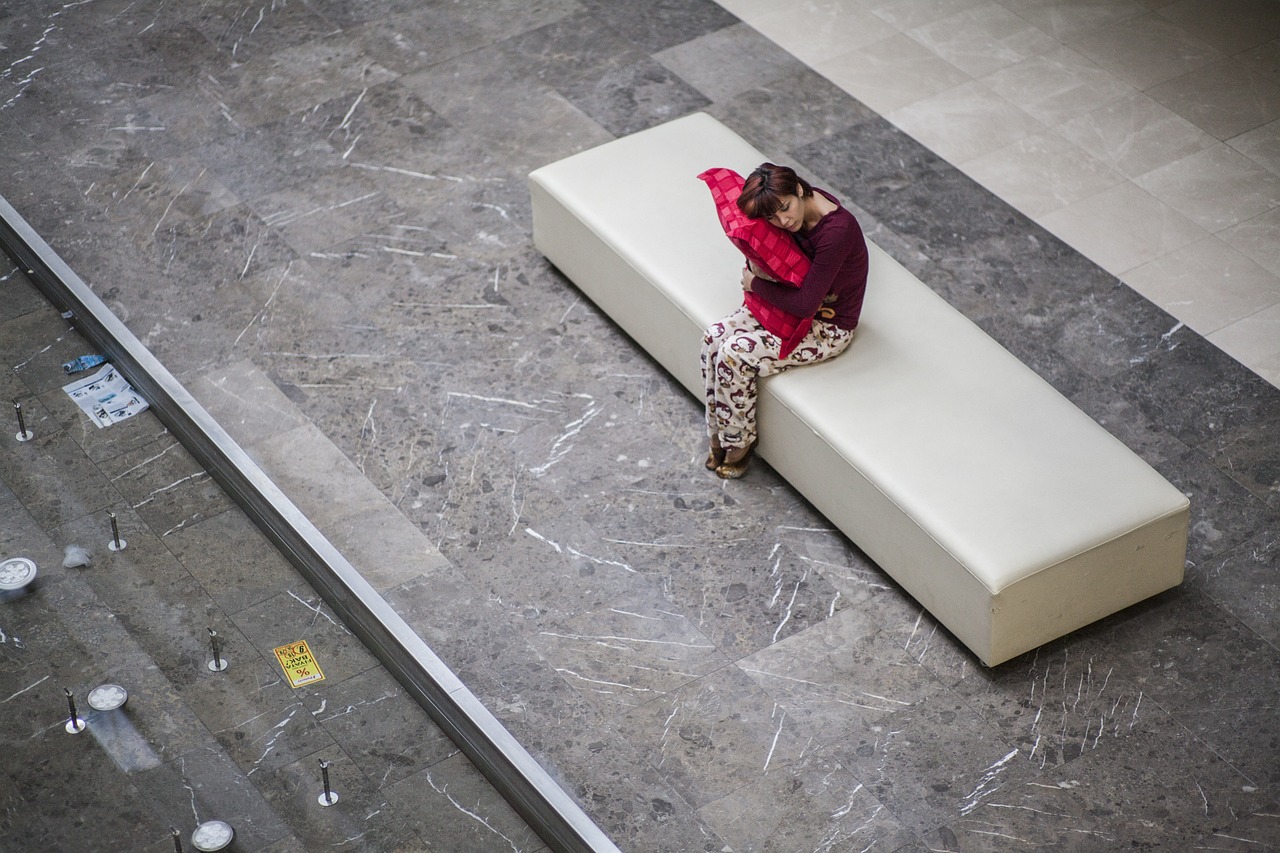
[1007, 512]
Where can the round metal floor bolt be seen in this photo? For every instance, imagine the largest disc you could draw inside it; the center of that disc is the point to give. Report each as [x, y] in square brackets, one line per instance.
[16, 573]
[212, 835]
[107, 697]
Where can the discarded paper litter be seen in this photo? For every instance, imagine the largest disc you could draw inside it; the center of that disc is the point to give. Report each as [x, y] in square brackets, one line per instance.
[106, 397]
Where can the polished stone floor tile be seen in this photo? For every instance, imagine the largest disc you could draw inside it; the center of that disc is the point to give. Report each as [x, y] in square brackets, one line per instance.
[814, 804]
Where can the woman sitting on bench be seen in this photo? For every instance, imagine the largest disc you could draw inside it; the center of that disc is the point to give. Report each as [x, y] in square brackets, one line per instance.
[780, 324]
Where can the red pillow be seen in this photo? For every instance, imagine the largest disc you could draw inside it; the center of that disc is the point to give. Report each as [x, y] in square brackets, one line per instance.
[767, 246]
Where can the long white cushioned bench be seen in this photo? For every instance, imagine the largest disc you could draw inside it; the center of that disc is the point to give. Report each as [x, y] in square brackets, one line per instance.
[1002, 508]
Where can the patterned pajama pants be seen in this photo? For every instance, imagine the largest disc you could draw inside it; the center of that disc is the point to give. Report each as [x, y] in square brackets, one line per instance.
[736, 351]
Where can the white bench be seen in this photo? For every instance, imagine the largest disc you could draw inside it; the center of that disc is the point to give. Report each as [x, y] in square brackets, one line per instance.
[1002, 508]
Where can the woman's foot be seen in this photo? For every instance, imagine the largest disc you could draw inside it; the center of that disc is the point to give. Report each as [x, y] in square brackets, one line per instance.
[735, 462]
[715, 457]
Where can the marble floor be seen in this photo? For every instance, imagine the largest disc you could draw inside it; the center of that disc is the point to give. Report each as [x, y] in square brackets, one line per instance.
[191, 744]
[314, 213]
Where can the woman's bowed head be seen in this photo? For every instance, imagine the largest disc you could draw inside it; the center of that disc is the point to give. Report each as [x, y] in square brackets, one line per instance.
[783, 198]
[781, 324]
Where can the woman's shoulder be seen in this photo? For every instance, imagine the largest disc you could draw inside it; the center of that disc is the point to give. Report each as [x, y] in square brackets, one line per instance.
[839, 218]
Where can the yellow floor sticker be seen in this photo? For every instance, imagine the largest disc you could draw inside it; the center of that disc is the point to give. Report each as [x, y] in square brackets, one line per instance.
[299, 664]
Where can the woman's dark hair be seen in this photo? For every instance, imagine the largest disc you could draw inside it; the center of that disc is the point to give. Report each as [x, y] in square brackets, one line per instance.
[764, 188]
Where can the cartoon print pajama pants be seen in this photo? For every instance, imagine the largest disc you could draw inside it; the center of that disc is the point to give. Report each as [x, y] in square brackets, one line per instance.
[736, 351]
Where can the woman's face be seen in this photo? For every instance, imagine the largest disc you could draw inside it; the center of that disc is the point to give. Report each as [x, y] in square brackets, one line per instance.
[790, 215]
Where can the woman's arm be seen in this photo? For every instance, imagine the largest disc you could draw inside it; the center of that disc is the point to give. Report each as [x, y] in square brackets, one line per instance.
[831, 248]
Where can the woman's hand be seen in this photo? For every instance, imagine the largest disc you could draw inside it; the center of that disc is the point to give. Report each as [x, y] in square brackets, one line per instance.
[748, 276]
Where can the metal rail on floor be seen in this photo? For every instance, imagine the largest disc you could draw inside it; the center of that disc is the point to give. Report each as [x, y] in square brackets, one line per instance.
[542, 803]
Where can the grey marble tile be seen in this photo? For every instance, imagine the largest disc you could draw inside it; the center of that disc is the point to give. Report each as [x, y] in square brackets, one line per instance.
[1063, 701]
[1248, 454]
[1102, 800]
[405, 40]
[839, 676]
[149, 591]
[815, 804]
[1212, 674]
[1243, 581]
[1223, 512]
[381, 125]
[244, 401]
[270, 155]
[452, 803]
[631, 98]
[790, 113]
[53, 788]
[165, 486]
[570, 52]
[386, 735]
[659, 25]
[473, 633]
[213, 788]
[20, 295]
[934, 761]
[620, 658]
[520, 125]
[294, 616]
[714, 736]
[231, 561]
[36, 345]
[632, 802]
[261, 730]
[1198, 392]
[752, 593]
[700, 62]
[245, 34]
[361, 816]
[54, 481]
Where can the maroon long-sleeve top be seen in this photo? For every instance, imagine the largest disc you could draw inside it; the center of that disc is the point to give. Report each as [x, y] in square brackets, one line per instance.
[837, 279]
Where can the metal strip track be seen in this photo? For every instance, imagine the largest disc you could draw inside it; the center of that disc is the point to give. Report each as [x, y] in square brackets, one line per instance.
[538, 799]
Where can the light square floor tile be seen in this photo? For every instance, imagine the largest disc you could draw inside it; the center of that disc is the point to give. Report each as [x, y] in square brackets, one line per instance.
[905, 14]
[1229, 25]
[1065, 21]
[819, 32]
[1057, 86]
[1262, 146]
[1122, 228]
[891, 73]
[1258, 238]
[1264, 59]
[1224, 98]
[983, 39]
[1135, 135]
[1041, 173]
[1208, 285]
[1215, 188]
[1145, 50]
[965, 122]
[1255, 342]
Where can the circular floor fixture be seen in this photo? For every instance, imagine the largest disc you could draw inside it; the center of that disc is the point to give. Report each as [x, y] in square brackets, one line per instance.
[107, 697]
[212, 835]
[16, 573]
